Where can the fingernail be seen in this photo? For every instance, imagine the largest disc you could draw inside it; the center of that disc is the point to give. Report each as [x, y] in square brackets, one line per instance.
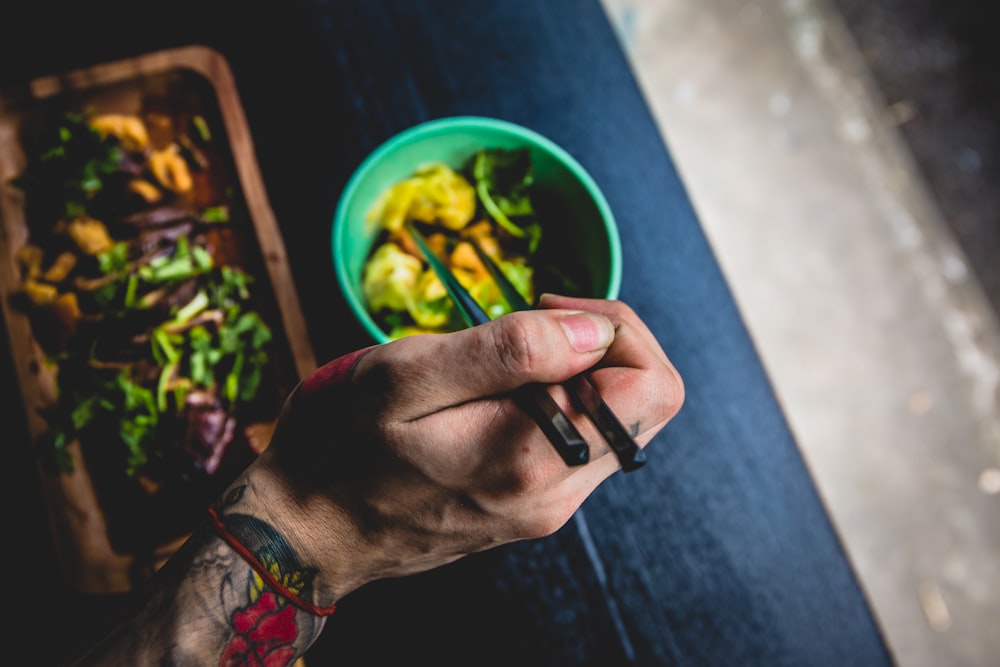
[588, 332]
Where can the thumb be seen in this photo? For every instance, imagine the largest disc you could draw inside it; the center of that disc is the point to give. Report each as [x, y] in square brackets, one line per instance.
[427, 373]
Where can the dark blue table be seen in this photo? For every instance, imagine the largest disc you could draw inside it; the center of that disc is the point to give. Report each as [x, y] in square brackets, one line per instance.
[718, 552]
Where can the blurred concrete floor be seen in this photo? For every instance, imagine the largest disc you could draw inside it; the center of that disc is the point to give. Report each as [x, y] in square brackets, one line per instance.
[880, 340]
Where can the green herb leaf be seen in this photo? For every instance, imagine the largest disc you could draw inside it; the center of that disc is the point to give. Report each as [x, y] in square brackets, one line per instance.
[68, 162]
[215, 214]
[503, 181]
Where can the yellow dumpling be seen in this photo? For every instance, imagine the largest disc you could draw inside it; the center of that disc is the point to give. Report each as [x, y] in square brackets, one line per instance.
[391, 277]
[435, 194]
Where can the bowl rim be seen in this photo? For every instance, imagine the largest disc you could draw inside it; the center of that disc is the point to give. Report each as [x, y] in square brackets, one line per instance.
[441, 125]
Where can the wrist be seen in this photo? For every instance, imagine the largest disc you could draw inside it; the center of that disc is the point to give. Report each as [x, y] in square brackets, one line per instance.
[266, 555]
[305, 546]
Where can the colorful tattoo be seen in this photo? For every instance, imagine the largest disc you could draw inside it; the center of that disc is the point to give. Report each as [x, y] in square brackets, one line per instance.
[263, 632]
[279, 587]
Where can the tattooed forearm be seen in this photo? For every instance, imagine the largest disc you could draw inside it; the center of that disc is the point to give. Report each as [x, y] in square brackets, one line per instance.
[209, 607]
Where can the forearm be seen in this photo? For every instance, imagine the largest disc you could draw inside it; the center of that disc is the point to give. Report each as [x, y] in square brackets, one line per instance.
[208, 606]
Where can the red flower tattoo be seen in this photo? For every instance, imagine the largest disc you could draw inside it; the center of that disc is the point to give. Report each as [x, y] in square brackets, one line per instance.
[264, 632]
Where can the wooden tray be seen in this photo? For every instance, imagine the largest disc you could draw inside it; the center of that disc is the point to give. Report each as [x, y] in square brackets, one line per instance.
[79, 525]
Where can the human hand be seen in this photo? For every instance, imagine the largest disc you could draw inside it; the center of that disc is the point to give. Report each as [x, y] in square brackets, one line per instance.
[409, 455]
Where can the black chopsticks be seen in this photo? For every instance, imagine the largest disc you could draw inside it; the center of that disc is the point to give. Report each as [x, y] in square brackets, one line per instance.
[534, 399]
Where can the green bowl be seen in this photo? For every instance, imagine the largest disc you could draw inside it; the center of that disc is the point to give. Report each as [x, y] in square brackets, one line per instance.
[584, 235]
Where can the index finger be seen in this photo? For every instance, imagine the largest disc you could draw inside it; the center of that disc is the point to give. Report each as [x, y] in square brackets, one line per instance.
[650, 403]
[617, 311]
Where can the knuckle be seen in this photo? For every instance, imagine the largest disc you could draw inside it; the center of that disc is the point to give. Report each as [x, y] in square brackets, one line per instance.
[522, 480]
[532, 508]
[674, 393]
[517, 342]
